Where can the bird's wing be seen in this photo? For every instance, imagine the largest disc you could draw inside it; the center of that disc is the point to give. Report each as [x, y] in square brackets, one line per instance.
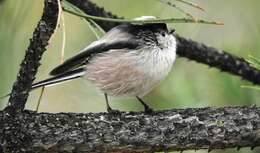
[117, 38]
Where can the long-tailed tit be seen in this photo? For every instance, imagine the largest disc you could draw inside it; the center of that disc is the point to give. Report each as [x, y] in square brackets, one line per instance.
[129, 60]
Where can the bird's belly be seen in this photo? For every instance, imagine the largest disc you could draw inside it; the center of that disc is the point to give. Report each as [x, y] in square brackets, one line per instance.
[122, 74]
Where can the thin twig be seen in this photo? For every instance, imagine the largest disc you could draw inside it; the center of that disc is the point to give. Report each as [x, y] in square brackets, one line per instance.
[63, 37]
[39, 100]
[191, 4]
[171, 20]
[178, 8]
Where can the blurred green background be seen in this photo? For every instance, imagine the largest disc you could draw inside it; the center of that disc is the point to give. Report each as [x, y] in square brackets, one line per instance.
[189, 85]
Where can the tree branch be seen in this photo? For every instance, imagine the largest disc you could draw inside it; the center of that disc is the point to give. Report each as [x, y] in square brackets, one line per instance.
[173, 130]
[31, 62]
[221, 60]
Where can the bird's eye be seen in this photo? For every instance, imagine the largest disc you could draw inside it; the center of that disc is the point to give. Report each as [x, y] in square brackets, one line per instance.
[163, 34]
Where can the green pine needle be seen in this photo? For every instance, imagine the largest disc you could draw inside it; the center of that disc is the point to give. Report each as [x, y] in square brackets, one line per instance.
[254, 62]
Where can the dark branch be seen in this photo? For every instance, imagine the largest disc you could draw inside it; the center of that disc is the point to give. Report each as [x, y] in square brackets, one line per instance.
[187, 48]
[173, 130]
[31, 62]
[221, 60]
[1, 1]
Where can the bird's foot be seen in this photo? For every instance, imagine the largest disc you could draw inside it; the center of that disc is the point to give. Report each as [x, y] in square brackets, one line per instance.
[147, 109]
[112, 111]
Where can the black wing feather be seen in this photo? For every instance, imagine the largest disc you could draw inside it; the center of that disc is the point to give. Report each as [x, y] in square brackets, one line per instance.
[81, 58]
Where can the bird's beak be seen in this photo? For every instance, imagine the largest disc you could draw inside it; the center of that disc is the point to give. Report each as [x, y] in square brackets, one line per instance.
[171, 31]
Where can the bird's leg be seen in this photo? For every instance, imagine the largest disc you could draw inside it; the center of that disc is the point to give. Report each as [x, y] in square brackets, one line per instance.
[147, 109]
[109, 109]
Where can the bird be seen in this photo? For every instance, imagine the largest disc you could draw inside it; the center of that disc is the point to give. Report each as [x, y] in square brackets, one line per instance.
[128, 61]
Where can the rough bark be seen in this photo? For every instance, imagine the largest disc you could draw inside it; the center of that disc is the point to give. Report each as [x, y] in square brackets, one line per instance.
[172, 130]
[221, 60]
[180, 129]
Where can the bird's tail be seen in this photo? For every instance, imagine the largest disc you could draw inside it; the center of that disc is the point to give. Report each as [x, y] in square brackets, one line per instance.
[60, 78]
[67, 76]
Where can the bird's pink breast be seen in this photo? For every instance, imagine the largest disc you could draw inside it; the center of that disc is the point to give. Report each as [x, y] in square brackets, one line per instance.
[116, 73]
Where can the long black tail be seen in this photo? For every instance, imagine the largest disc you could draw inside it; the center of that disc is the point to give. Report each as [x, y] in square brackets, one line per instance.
[60, 78]
[57, 79]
